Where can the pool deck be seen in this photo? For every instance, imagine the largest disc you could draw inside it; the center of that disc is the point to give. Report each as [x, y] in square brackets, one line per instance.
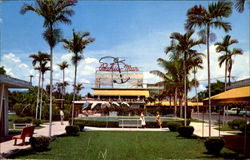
[57, 129]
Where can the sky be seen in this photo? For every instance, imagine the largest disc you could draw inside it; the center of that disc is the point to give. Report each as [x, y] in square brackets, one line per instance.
[135, 30]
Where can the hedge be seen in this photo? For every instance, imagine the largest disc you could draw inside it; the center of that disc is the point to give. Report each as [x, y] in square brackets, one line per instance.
[214, 145]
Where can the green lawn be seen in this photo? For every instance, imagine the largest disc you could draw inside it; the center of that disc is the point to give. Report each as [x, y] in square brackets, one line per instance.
[124, 146]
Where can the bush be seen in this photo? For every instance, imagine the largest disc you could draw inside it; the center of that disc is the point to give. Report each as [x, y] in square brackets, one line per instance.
[174, 126]
[23, 120]
[80, 125]
[242, 129]
[237, 123]
[186, 131]
[214, 145]
[72, 130]
[36, 122]
[39, 143]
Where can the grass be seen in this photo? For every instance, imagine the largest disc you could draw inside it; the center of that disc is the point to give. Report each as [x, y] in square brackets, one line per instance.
[196, 120]
[225, 127]
[123, 145]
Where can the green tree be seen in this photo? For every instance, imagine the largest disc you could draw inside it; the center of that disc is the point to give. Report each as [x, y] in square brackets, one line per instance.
[229, 59]
[183, 44]
[39, 60]
[224, 47]
[2, 70]
[53, 12]
[78, 87]
[63, 66]
[212, 17]
[76, 45]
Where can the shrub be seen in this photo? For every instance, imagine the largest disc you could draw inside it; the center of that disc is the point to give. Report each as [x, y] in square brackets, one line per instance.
[174, 126]
[186, 131]
[80, 125]
[72, 130]
[36, 122]
[242, 129]
[23, 120]
[214, 145]
[236, 123]
[39, 143]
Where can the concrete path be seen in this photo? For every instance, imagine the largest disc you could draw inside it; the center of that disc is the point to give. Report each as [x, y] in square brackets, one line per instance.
[124, 129]
[199, 131]
[57, 129]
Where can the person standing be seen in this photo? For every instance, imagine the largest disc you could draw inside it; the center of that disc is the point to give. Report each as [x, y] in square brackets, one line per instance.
[143, 122]
[158, 119]
[61, 116]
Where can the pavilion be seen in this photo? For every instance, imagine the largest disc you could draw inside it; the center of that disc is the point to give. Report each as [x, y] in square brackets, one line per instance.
[6, 83]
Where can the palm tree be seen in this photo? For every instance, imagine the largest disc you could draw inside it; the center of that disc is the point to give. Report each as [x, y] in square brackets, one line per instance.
[63, 66]
[53, 12]
[78, 87]
[199, 16]
[172, 79]
[228, 58]
[183, 45]
[240, 5]
[39, 58]
[76, 45]
[224, 47]
[43, 69]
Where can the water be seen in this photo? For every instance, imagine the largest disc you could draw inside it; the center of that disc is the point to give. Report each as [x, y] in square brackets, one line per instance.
[103, 118]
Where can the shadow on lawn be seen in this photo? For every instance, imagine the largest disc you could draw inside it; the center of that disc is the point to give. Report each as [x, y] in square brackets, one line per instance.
[24, 152]
[224, 156]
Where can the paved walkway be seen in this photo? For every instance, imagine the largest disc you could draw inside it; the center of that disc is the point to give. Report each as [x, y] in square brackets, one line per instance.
[201, 131]
[57, 129]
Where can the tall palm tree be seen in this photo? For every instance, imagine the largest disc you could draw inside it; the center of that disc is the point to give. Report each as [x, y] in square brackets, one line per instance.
[240, 5]
[76, 45]
[199, 16]
[53, 12]
[229, 59]
[224, 47]
[183, 45]
[43, 69]
[63, 66]
[40, 58]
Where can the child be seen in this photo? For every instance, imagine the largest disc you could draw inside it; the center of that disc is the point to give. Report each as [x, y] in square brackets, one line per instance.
[142, 118]
[158, 119]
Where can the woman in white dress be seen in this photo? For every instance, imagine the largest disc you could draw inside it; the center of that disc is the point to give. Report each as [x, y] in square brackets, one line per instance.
[143, 122]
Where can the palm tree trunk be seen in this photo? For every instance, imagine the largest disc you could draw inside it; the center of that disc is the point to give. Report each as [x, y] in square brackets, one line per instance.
[175, 101]
[209, 85]
[74, 94]
[63, 90]
[185, 91]
[51, 87]
[226, 75]
[196, 93]
[41, 102]
[38, 94]
[229, 76]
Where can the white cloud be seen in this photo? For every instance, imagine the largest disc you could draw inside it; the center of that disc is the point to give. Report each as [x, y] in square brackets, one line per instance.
[23, 65]
[11, 57]
[89, 60]
[1, 20]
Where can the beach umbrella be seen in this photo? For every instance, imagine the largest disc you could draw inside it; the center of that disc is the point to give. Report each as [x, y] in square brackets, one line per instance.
[93, 105]
[115, 103]
[105, 105]
[125, 104]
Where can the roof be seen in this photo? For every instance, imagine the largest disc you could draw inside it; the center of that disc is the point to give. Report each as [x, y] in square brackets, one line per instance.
[236, 95]
[10, 82]
[121, 92]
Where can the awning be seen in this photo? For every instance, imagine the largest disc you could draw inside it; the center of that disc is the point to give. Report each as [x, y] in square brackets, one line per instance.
[236, 95]
[121, 93]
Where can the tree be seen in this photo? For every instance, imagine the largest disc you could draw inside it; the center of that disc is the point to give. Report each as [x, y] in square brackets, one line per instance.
[224, 47]
[239, 5]
[183, 45]
[63, 66]
[40, 58]
[2, 70]
[76, 45]
[228, 58]
[43, 69]
[78, 88]
[53, 12]
[199, 16]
